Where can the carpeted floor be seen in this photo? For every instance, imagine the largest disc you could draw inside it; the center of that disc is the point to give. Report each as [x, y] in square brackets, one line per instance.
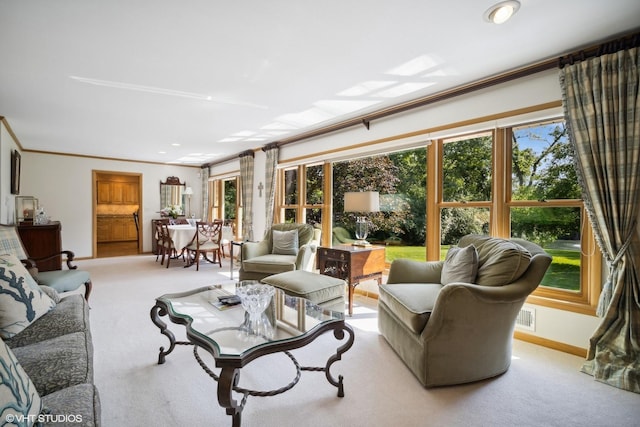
[543, 387]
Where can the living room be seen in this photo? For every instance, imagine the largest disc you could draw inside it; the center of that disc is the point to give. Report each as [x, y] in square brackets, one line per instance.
[62, 181]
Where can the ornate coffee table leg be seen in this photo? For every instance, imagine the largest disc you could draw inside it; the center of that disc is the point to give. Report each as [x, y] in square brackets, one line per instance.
[228, 379]
[157, 311]
[338, 332]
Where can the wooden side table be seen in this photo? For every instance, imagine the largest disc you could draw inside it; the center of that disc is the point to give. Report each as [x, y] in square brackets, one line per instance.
[353, 264]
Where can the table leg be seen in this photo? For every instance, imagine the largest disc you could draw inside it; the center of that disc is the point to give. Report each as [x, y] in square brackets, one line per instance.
[352, 288]
[228, 379]
[156, 312]
[338, 332]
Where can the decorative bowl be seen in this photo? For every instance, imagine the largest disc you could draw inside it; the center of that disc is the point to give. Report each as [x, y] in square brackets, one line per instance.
[255, 298]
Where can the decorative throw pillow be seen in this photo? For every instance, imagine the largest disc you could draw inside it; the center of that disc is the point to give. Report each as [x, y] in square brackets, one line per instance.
[460, 265]
[21, 300]
[285, 242]
[501, 261]
[10, 242]
[20, 403]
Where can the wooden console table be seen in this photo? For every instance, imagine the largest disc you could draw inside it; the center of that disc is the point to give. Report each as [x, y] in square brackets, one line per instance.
[43, 240]
[353, 264]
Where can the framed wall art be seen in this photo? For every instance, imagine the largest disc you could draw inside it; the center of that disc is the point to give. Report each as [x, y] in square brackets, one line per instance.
[15, 172]
[26, 207]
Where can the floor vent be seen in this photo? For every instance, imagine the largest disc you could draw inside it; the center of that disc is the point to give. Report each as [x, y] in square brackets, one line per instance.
[526, 319]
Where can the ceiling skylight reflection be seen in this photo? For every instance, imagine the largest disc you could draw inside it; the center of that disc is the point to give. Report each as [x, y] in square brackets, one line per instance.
[366, 87]
[415, 66]
[338, 107]
[278, 126]
[197, 158]
[403, 89]
[304, 118]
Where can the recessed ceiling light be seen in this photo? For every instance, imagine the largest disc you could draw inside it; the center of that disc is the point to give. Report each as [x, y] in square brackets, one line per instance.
[175, 144]
[501, 12]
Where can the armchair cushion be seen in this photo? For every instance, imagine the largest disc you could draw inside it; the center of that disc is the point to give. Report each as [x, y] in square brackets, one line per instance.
[412, 303]
[64, 280]
[21, 300]
[501, 261]
[460, 265]
[270, 264]
[285, 242]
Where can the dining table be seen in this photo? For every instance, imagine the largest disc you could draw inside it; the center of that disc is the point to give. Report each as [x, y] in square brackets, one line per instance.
[182, 235]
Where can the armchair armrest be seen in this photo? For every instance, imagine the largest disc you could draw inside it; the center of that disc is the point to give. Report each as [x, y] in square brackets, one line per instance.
[306, 257]
[412, 271]
[68, 254]
[254, 249]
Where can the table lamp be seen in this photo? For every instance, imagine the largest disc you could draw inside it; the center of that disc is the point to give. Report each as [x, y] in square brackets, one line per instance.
[362, 201]
[188, 192]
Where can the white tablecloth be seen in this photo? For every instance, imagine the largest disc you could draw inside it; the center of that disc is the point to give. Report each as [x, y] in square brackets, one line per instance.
[181, 234]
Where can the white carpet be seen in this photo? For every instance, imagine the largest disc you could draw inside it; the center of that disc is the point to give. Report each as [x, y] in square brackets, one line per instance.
[542, 388]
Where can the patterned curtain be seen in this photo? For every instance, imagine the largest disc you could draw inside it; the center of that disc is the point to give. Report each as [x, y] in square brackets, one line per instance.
[602, 108]
[204, 176]
[271, 151]
[246, 182]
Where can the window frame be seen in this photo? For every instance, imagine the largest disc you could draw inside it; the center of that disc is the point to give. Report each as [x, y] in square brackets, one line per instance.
[583, 301]
[301, 206]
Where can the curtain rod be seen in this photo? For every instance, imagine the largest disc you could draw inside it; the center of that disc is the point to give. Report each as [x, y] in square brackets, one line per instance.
[624, 43]
[441, 96]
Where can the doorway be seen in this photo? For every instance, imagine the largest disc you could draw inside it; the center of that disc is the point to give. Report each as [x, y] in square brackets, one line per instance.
[117, 203]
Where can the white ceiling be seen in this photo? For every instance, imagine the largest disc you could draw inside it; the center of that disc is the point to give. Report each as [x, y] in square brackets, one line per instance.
[129, 79]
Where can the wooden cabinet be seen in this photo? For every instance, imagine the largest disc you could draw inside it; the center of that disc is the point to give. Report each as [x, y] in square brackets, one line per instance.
[117, 193]
[115, 228]
[41, 241]
[353, 264]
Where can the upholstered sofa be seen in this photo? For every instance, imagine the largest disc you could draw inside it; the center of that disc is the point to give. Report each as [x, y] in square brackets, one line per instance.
[452, 321]
[285, 247]
[46, 359]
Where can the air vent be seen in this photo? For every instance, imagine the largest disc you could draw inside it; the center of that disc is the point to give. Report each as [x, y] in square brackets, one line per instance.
[526, 319]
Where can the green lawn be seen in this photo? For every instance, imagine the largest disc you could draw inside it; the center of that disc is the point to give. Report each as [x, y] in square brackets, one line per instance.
[564, 272]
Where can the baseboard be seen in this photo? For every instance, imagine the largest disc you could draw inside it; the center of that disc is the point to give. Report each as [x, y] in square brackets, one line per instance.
[555, 345]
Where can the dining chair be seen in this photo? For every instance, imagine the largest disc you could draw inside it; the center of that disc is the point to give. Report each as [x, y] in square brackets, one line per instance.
[207, 238]
[158, 236]
[165, 243]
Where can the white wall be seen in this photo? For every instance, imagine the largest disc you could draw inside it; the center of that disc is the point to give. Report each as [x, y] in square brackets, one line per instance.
[63, 186]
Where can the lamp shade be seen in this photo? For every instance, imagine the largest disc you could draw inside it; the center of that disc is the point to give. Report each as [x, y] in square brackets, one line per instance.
[188, 191]
[362, 201]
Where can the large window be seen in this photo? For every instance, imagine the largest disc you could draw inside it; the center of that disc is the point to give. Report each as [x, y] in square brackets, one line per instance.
[512, 181]
[400, 179]
[467, 195]
[301, 194]
[545, 206]
[517, 182]
[225, 202]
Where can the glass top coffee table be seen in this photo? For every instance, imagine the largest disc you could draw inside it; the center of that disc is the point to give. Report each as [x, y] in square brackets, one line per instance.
[234, 338]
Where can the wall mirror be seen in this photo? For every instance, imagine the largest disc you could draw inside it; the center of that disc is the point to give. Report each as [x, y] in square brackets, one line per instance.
[172, 194]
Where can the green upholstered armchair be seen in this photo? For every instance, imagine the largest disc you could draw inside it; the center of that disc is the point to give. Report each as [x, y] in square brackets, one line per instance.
[451, 329]
[341, 236]
[277, 252]
[63, 280]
